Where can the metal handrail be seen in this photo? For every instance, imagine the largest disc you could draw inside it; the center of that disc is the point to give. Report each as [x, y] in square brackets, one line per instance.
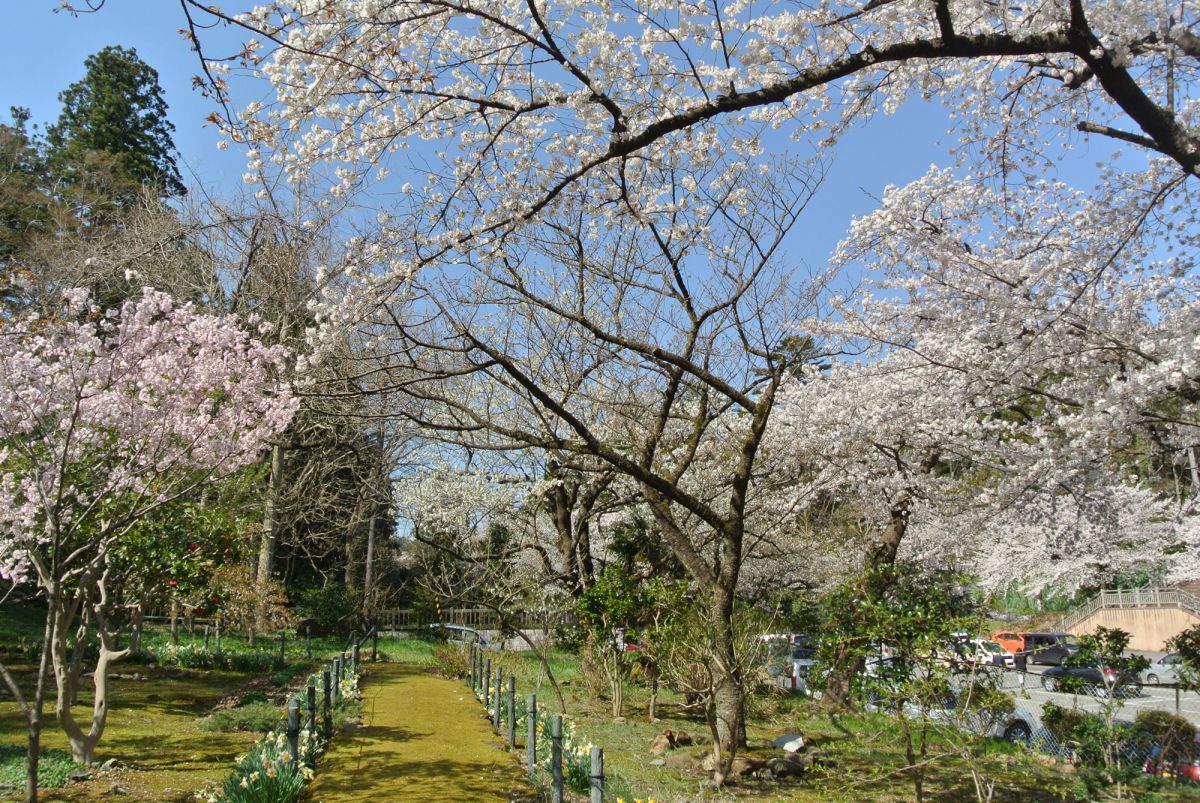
[1132, 598]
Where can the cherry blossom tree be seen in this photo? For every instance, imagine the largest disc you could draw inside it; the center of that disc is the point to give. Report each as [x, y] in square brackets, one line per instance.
[1014, 351]
[106, 416]
[520, 100]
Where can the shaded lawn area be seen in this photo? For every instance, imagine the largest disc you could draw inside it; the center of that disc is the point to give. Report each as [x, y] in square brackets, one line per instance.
[152, 731]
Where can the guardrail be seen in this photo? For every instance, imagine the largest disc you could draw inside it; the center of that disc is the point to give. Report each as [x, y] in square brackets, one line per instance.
[1132, 598]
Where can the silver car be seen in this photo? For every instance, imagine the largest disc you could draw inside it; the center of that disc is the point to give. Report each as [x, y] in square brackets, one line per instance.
[1165, 669]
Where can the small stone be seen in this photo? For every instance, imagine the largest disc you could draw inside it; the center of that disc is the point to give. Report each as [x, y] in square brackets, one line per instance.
[658, 762]
[683, 739]
[682, 762]
[110, 765]
[80, 774]
[662, 743]
[743, 765]
[789, 742]
[788, 766]
[618, 719]
[117, 789]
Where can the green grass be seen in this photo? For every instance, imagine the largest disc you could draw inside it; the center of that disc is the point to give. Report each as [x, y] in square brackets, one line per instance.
[864, 752]
[53, 767]
[254, 717]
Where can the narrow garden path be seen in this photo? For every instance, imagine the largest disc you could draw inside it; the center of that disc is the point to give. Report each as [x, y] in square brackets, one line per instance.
[424, 739]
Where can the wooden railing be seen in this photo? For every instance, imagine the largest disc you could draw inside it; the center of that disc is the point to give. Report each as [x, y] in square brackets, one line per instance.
[478, 618]
[1132, 598]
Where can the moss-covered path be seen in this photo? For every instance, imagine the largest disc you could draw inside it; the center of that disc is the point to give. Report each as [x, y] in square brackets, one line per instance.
[425, 739]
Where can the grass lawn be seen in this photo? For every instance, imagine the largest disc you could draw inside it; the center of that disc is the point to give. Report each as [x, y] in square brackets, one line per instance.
[152, 730]
[154, 727]
[863, 752]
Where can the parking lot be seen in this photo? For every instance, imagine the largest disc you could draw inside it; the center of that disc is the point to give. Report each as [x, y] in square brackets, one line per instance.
[1031, 696]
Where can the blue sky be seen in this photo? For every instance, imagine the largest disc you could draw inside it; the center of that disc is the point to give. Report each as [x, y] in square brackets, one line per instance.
[42, 52]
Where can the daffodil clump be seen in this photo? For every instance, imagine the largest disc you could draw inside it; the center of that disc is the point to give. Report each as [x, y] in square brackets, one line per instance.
[269, 773]
[191, 656]
[576, 749]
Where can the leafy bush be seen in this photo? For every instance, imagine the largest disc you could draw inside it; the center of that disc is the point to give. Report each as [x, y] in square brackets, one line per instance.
[252, 717]
[330, 610]
[1174, 735]
[252, 697]
[54, 766]
[1085, 735]
[451, 661]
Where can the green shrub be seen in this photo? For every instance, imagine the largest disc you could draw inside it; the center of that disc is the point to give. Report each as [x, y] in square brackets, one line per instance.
[333, 609]
[252, 697]
[53, 767]
[253, 717]
[451, 661]
[1084, 734]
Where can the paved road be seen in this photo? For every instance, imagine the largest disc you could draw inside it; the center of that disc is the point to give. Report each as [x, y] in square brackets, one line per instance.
[1152, 697]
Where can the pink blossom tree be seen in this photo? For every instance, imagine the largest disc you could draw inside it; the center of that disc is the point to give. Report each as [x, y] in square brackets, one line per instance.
[105, 416]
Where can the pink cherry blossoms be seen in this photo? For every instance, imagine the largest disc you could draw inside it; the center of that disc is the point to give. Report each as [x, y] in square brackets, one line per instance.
[105, 414]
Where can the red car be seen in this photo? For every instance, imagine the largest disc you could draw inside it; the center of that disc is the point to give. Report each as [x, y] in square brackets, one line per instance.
[1187, 769]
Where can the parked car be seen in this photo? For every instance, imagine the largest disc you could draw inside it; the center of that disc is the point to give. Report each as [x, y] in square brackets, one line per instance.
[1016, 726]
[1049, 648]
[791, 658]
[1164, 669]
[458, 634]
[1179, 764]
[1039, 648]
[985, 651]
[1011, 640]
[1093, 679]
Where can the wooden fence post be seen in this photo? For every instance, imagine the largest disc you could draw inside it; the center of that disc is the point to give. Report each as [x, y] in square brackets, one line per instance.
[487, 683]
[496, 698]
[471, 662]
[206, 638]
[312, 708]
[512, 711]
[308, 641]
[375, 646]
[293, 730]
[356, 656]
[556, 759]
[282, 648]
[218, 624]
[327, 704]
[531, 734]
[597, 775]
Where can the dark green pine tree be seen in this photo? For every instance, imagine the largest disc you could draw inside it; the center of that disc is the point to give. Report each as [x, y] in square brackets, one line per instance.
[115, 119]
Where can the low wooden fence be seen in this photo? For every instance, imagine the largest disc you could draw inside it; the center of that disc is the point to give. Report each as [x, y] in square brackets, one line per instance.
[553, 761]
[478, 618]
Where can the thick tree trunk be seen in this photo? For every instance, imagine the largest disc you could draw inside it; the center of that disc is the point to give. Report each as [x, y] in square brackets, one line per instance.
[270, 535]
[135, 632]
[67, 675]
[729, 696]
